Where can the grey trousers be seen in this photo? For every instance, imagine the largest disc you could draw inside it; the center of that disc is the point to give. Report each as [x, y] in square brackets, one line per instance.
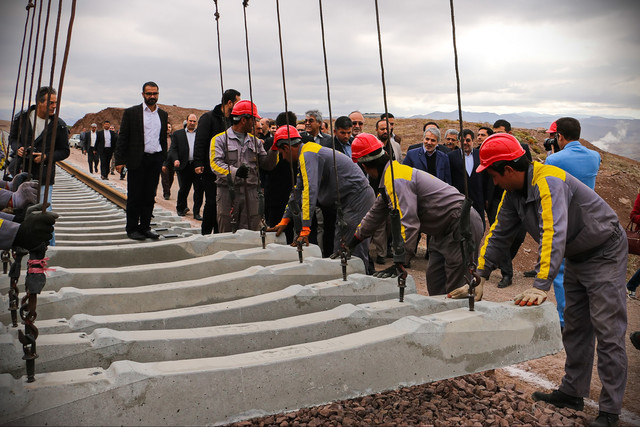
[245, 208]
[353, 214]
[446, 270]
[596, 309]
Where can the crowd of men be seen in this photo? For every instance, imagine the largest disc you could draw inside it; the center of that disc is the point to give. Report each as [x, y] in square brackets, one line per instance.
[337, 187]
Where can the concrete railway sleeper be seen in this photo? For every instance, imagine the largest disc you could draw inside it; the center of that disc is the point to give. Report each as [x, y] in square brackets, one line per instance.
[124, 327]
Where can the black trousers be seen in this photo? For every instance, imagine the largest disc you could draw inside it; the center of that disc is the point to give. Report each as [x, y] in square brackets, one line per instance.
[105, 161]
[142, 184]
[209, 214]
[187, 177]
[93, 160]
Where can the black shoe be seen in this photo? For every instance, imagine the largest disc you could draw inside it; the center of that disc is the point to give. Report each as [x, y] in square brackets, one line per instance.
[530, 273]
[605, 419]
[635, 339]
[197, 217]
[167, 196]
[379, 260]
[181, 212]
[136, 235]
[560, 399]
[113, 173]
[505, 282]
[151, 234]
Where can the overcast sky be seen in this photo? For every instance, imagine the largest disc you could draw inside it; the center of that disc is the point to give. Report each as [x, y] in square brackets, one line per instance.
[570, 57]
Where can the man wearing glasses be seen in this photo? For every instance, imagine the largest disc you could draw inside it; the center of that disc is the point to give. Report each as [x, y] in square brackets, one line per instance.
[312, 123]
[466, 161]
[142, 147]
[451, 139]
[357, 119]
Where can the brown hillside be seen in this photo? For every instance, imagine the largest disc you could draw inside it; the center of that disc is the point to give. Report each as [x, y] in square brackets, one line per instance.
[176, 116]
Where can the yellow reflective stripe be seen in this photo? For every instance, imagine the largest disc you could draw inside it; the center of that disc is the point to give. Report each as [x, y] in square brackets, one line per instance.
[547, 229]
[540, 175]
[403, 172]
[483, 249]
[212, 157]
[311, 147]
[1, 221]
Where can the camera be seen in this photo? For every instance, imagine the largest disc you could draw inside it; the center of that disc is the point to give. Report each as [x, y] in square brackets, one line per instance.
[551, 142]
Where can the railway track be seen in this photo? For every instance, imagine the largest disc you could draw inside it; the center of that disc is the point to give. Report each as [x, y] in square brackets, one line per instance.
[194, 329]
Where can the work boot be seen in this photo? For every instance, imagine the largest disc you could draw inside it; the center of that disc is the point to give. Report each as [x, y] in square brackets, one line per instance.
[605, 419]
[635, 339]
[379, 260]
[560, 399]
[530, 273]
[506, 281]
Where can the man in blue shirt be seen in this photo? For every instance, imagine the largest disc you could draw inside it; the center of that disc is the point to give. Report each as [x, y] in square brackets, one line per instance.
[580, 162]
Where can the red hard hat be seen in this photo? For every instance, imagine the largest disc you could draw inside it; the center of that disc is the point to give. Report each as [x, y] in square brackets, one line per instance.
[499, 146]
[245, 107]
[285, 133]
[363, 145]
[553, 128]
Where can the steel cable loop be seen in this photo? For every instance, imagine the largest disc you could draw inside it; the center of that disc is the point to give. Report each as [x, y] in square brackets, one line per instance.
[30, 6]
[33, 70]
[24, 92]
[230, 183]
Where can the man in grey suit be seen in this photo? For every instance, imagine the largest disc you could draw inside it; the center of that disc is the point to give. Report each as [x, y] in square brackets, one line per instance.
[142, 147]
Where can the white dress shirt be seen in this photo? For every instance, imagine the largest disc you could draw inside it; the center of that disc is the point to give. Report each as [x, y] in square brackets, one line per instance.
[107, 139]
[151, 130]
[191, 139]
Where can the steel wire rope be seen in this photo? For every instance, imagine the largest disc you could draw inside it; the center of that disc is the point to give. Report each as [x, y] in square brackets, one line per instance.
[29, 6]
[339, 212]
[230, 182]
[293, 208]
[263, 225]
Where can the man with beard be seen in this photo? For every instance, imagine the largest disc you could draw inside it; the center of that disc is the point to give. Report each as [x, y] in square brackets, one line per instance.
[383, 136]
[210, 124]
[105, 143]
[357, 119]
[142, 147]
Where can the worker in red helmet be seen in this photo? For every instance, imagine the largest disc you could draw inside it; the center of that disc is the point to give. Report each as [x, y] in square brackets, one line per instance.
[551, 144]
[568, 220]
[426, 205]
[235, 155]
[316, 186]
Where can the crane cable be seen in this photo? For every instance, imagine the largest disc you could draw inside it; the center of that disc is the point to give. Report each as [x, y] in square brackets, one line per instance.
[292, 204]
[263, 222]
[230, 184]
[29, 6]
[466, 242]
[396, 224]
[341, 224]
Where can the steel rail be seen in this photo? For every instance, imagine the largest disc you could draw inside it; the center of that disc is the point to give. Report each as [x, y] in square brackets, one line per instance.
[110, 193]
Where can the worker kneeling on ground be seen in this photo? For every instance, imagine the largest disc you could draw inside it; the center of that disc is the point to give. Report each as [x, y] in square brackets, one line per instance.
[316, 185]
[426, 204]
[568, 220]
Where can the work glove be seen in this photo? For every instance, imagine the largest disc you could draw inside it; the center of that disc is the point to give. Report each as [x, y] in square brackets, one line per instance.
[532, 296]
[463, 292]
[303, 237]
[387, 272]
[17, 180]
[280, 227]
[37, 228]
[27, 194]
[242, 172]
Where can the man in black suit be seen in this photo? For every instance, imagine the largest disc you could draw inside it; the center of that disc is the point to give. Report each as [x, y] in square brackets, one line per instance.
[341, 136]
[312, 123]
[105, 143]
[142, 147]
[466, 161]
[181, 158]
[210, 124]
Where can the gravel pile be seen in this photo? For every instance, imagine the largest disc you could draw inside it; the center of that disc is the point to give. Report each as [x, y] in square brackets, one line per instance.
[472, 400]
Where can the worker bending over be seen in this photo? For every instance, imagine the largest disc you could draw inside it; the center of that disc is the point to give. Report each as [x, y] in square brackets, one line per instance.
[426, 205]
[316, 185]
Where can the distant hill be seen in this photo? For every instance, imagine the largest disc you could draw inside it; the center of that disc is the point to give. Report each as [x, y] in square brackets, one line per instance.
[618, 136]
